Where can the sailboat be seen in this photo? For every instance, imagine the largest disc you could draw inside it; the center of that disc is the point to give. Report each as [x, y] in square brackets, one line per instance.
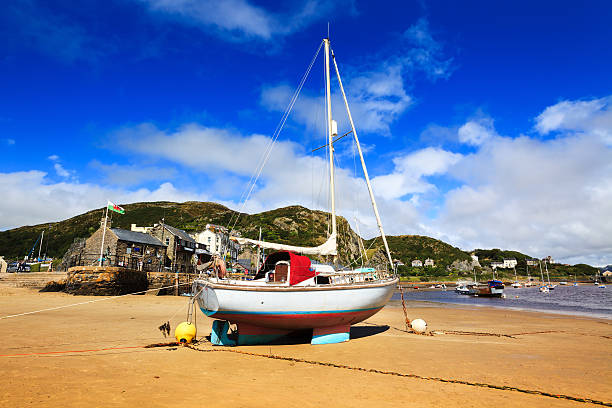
[543, 288]
[596, 283]
[289, 291]
[516, 284]
[550, 286]
[529, 282]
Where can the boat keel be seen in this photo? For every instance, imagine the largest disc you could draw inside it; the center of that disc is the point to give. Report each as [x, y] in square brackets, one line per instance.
[218, 336]
[330, 335]
[249, 334]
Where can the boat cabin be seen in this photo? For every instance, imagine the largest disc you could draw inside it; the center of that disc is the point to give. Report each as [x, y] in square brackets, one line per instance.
[284, 266]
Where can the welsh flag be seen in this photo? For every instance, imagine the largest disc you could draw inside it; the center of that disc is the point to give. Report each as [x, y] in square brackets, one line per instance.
[115, 208]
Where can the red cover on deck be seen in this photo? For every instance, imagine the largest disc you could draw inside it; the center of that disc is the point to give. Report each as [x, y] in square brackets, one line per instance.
[300, 269]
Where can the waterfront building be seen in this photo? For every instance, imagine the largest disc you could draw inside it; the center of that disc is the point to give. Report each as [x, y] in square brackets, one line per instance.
[183, 252]
[217, 239]
[119, 247]
[509, 263]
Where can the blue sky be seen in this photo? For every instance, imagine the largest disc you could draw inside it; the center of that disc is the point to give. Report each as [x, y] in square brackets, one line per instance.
[484, 124]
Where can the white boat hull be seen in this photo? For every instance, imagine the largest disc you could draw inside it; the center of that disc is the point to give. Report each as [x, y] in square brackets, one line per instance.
[293, 308]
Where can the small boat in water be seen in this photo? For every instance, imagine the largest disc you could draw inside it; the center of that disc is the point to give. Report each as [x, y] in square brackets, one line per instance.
[493, 288]
[463, 288]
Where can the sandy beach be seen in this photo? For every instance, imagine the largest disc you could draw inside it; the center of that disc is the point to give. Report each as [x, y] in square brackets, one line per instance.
[93, 355]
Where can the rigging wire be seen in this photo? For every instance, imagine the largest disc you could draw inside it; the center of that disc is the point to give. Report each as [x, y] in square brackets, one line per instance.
[253, 181]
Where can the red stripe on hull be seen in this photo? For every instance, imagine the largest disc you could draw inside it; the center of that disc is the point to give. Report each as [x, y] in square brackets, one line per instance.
[298, 321]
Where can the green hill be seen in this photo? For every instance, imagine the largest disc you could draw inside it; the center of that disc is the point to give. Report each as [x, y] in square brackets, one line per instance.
[406, 248]
[485, 256]
[291, 225]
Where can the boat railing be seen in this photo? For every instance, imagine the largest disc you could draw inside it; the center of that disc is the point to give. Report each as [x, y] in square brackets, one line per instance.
[332, 279]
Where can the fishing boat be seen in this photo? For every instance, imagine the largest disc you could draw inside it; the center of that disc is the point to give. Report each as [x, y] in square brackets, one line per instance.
[492, 288]
[462, 287]
[290, 292]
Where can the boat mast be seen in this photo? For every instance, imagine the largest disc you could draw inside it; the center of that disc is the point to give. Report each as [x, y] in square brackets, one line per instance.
[42, 238]
[330, 137]
[363, 165]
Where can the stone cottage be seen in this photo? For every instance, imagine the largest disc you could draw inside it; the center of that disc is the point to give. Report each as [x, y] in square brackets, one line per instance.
[183, 252]
[123, 248]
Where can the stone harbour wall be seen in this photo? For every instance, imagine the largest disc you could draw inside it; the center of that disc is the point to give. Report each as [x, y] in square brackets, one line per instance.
[158, 280]
[104, 281]
[113, 280]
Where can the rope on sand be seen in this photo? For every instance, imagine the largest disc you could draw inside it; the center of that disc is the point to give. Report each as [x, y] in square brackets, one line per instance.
[89, 301]
[405, 375]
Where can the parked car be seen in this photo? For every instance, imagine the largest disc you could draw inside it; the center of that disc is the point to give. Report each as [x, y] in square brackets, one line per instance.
[14, 266]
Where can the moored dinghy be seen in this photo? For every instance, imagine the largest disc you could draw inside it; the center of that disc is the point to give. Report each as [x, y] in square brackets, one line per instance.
[289, 292]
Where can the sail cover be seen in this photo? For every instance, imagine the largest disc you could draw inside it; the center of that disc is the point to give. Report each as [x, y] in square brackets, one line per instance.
[300, 266]
[327, 248]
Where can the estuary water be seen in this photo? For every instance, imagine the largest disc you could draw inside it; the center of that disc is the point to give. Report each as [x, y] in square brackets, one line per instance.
[583, 300]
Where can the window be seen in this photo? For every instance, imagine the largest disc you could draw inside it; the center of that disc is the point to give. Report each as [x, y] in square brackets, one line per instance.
[167, 241]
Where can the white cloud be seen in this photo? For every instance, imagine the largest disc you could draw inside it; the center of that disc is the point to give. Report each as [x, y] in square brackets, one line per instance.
[541, 197]
[9, 141]
[425, 53]
[129, 175]
[61, 171]
[240, 20]
[477, 131]
[290, 177]
[592, 116]
[376, 100]
[408, 176]
[58, 201]
[377, 91]
[550, 197]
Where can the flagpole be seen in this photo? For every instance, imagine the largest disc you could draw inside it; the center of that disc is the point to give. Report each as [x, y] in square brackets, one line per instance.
[103, 235]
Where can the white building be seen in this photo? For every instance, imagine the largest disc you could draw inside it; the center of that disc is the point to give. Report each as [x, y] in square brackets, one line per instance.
[475, 261]
[416, 262]
[216, 239]
[532, 262]
[144, 230]
[429, 262]
[509, 263]
[497, 264]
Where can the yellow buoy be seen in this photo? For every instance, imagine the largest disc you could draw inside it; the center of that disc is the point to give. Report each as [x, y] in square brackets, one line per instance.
[185, 332]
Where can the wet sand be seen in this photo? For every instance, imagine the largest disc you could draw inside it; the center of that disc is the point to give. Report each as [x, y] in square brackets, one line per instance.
[532, 351]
